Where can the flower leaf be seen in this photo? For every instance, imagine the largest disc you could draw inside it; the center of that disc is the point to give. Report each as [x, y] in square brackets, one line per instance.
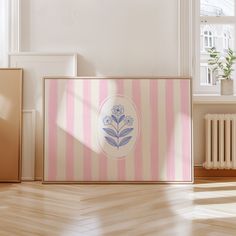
[121, 118]
[111, 141]
[124, 141]
[124, 132]
[110, 132]
[115, 119]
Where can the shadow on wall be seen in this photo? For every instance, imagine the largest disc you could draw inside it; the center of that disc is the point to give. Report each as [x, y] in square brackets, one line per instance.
[73, 151]
[85, 67]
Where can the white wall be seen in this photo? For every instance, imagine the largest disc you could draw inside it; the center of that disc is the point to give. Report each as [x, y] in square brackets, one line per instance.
[112, 37]
[115, 37]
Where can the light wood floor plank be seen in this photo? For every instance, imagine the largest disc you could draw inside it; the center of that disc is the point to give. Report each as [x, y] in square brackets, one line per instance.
[207, 207]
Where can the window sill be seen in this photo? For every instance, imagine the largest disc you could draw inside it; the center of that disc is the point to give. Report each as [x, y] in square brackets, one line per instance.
[213, 99]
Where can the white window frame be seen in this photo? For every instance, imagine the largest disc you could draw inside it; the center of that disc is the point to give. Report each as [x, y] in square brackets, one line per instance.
[207, 68]
[208, 34]
[10, 30]
[4, 34]
[14, 25]
[198, 20]
[209, 71]
[225, 40]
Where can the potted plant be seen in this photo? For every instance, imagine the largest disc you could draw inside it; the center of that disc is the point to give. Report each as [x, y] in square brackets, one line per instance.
[223, 65]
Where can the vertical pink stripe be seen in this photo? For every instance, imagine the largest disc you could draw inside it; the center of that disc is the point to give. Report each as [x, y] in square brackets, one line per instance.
[154, 129]
[122, 162]
[186, 129]
[70, 130]
[87, 129]
[136, 90]
[170, 130]
[103, 93]
[52, 130]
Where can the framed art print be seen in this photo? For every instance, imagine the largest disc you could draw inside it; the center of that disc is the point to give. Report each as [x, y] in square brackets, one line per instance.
[117, 130]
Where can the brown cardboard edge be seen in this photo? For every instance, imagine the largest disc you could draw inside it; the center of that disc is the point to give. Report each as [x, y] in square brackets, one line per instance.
[20, 131]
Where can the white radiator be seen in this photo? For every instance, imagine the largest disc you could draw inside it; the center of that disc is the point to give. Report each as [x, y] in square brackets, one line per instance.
[28, 145]
[220, 141]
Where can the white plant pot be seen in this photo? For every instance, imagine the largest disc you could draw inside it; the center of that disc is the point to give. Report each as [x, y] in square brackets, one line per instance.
[226, 87]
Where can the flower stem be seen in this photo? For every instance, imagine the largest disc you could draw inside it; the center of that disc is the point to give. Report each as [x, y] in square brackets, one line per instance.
[118, 139]
[114, 127]
[121, 128]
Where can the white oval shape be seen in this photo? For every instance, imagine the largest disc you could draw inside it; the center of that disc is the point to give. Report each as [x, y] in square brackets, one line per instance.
[118, 126]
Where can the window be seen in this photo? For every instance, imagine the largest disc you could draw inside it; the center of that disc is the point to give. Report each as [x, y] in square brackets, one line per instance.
[208, 77]
[227, 40]
[217, 8]
[208, 39]
[215, 24]
[3, 32]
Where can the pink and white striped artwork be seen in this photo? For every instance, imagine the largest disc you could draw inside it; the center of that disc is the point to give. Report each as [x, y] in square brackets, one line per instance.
[122, 130]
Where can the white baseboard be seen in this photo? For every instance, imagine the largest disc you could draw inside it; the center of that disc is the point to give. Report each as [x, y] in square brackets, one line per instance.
[31, 179]
[197, 165]
[27, 179]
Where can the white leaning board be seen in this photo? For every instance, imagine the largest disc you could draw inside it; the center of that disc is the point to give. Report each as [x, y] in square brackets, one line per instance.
[35, 67]
[28, 145]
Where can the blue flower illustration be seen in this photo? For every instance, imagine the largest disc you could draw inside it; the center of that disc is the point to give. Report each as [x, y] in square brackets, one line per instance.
[117, 130]
[118, 110]
[128, 120]
[107, 120]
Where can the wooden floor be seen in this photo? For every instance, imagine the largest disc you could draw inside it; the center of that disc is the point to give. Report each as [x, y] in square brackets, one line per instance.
[205, 208]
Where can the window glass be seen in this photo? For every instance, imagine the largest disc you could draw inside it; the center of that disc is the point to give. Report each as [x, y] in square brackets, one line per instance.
[220, 33]
[220, 36]
[208, 77]
[217, 7]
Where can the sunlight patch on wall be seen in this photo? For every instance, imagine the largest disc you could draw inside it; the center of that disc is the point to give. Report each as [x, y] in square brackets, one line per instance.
[81, 104]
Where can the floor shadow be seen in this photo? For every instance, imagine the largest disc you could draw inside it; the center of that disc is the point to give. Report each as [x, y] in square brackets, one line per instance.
[218, 200]
[212, 189]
